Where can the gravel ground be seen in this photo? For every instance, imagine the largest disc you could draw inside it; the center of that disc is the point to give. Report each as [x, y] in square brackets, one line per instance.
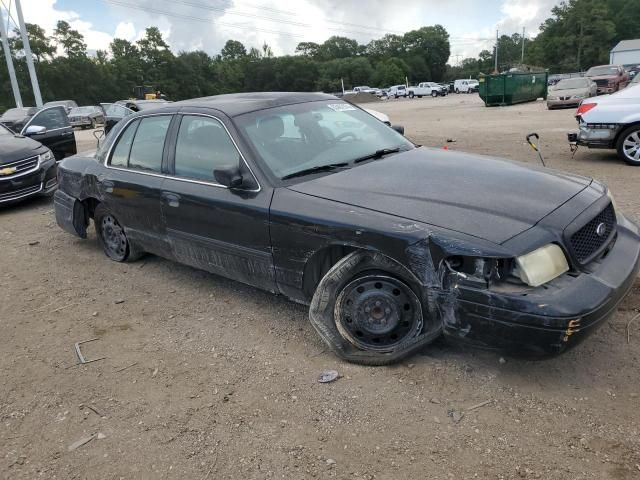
[206, 378]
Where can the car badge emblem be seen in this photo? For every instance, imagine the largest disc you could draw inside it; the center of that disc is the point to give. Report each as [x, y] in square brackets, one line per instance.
[8, 171]
[601, 230]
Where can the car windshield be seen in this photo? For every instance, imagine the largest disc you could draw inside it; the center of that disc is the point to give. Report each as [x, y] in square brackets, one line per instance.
[64, 103]
[572, 83]
[82, 110]
[317, 135]
[597, 71]
[115, 110]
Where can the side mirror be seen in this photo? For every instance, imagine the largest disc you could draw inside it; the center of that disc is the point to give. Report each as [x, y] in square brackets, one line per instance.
[398, 128]
[34, 130]
[229, 177]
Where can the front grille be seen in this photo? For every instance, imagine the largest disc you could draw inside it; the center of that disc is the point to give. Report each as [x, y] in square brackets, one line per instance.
[21, 193]
[21, 167]
[587, 241]
[602, 83]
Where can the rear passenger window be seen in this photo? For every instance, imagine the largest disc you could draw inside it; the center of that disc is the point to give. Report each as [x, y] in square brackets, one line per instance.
[203, 145]
[120, 155]
[148, 144]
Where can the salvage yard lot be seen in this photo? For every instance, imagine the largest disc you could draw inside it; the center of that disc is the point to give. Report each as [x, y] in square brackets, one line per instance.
[208, 378]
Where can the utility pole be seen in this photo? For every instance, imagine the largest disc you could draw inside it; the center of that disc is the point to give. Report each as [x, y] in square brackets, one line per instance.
[497, 41]
[28, 55]
[523, 37]
[9, 59]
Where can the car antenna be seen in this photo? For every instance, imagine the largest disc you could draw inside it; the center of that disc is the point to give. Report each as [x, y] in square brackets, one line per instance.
[535, 146]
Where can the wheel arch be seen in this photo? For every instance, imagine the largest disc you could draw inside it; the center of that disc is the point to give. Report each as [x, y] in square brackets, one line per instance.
[318, 264]
[623, 129]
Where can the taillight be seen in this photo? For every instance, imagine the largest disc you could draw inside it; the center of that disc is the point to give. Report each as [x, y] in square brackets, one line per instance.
[585, 107]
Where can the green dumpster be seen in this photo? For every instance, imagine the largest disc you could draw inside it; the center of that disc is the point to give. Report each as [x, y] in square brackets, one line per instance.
[512, 88]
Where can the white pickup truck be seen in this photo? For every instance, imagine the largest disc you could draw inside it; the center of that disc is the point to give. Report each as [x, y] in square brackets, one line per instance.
[613, 122]
[427, 88]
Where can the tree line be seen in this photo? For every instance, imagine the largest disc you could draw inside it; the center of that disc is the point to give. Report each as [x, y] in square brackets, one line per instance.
[577, 35]
[112, 74]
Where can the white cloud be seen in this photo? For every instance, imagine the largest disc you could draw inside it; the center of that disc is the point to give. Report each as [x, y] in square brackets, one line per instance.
[189, 26]
[126, 30]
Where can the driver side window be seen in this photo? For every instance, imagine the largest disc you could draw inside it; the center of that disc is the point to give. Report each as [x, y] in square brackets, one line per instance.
[51, 118]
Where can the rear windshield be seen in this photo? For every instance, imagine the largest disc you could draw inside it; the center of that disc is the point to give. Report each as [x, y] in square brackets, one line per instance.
[17, 113]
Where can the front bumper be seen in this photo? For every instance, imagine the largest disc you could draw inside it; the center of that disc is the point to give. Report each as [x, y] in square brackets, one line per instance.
[41, 182]
[605, 90]
[570, 102]
[550, 321]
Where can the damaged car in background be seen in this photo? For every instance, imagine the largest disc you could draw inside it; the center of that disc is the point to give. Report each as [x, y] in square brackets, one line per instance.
[392, 245]
[611, 122]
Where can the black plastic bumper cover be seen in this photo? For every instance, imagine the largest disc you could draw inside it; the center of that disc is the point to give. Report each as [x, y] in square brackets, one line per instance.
[70, 214]
[539, 327]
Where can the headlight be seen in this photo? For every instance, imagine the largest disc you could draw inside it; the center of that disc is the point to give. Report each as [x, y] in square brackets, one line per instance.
[45, 157]
[551, 97]
[541, 265]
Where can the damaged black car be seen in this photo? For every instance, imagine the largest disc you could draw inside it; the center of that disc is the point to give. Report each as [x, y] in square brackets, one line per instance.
[392, 245]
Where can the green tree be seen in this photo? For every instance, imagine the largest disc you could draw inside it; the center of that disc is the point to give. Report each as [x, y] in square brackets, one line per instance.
[233, 50]
[71, 41]
[40, 44]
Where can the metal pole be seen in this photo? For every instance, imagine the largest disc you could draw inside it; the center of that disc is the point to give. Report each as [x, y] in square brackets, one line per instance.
[523, 37]
[497, 40]
[9, 59]
[29, 56]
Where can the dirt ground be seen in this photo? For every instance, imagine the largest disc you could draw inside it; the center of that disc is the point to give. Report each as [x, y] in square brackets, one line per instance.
[206, 378]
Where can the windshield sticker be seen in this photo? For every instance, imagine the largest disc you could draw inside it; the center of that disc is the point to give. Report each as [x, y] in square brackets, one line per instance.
[341, 107]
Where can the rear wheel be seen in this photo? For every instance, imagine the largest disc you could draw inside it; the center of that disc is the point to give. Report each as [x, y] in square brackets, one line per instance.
[628, 146]
[367, 311]
[112, 237]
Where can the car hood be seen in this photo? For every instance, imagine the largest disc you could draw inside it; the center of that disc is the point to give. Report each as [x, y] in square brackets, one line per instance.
[485, 197]
[602, 77]
[16, 147]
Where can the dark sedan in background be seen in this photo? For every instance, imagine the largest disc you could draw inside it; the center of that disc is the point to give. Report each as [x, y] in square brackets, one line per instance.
[391, 245]
[16, 118]
[28, 160]
[86, 117]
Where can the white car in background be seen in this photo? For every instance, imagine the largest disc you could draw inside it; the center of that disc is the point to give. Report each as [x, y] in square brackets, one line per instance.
[397, 91]
[612, 122]
[425, 89]
[466, 86]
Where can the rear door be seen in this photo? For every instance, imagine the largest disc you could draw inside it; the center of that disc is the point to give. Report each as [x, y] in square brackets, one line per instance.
[212, 227]
[132, 182]
[58, 135]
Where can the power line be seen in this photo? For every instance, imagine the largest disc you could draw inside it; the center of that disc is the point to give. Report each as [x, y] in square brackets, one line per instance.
[199, 19]
[282, 12]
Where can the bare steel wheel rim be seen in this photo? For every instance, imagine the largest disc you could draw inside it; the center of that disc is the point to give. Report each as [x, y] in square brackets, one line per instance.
[378, 313]
[631, 146]
[115, 241]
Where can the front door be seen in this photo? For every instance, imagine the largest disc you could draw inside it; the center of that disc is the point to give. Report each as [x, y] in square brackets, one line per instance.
[211, 227]
[58, 133]
[132, 182]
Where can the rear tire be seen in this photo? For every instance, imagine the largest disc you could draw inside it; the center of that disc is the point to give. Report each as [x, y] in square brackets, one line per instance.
[112, 237]
[628, 146]
[367, 309]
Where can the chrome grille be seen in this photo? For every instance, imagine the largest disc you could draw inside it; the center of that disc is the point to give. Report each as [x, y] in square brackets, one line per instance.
[20, 193]
[21, 167]
[588, 241]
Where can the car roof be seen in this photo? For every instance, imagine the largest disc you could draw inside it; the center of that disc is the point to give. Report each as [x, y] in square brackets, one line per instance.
[239, 103]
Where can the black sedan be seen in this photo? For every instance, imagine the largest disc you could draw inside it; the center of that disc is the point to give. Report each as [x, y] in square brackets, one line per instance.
[392, 245]
[27, 168]
[16, 118]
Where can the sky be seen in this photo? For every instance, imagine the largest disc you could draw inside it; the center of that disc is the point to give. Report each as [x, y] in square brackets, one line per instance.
[208, 24]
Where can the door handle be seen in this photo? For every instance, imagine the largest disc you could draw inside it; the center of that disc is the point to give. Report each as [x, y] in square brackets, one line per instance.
[171, 199]
[107, 185]
[67, 133]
